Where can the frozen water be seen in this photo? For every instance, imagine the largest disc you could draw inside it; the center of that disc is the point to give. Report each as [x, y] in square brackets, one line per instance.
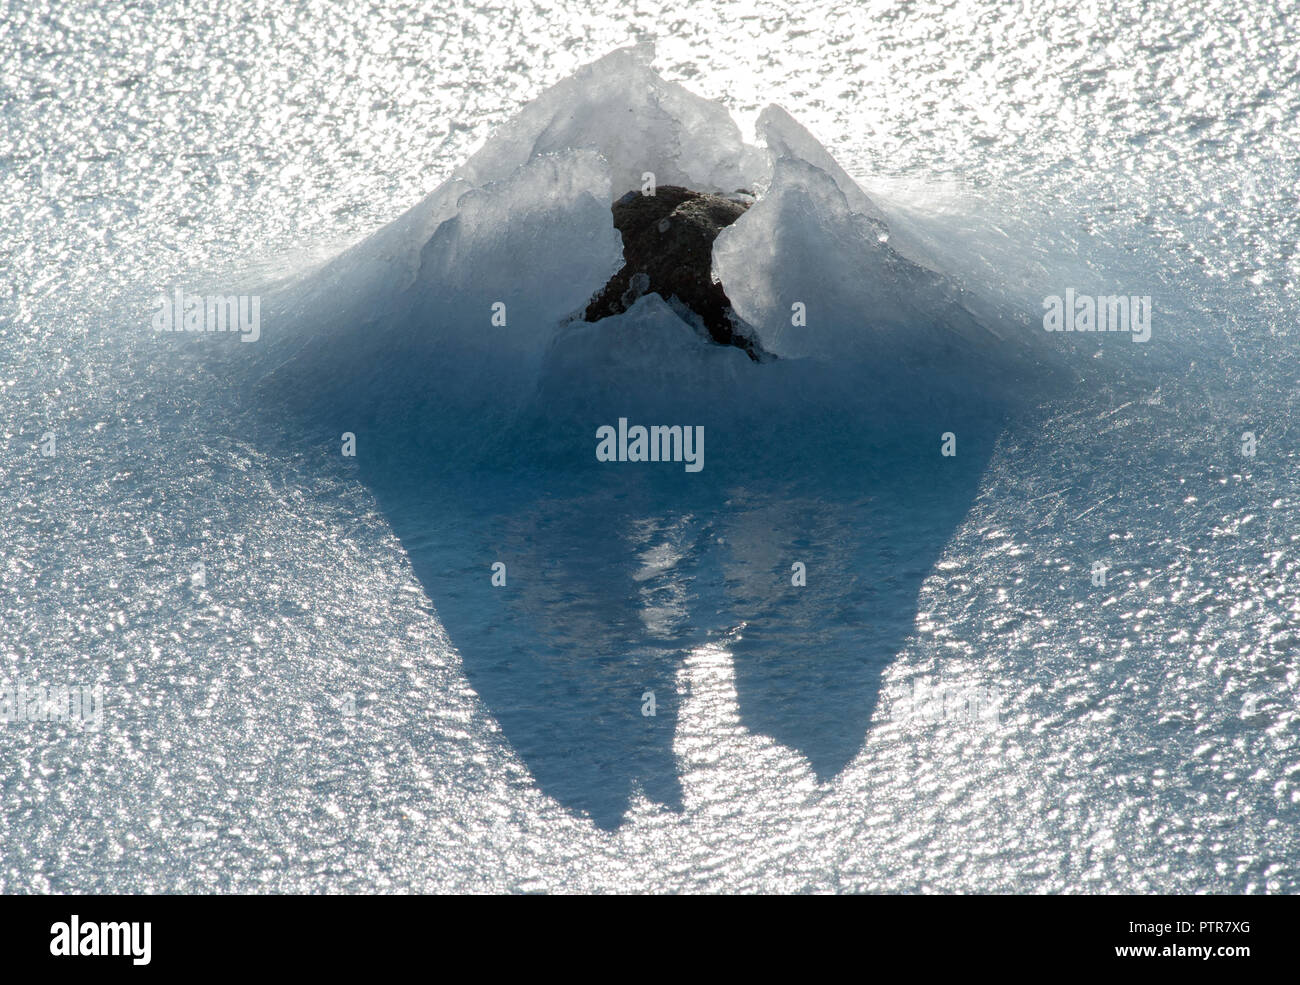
[803, 244]
[344, 701]
[637, 121]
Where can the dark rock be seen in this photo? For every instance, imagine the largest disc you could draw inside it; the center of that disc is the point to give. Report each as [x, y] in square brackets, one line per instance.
[668, 250]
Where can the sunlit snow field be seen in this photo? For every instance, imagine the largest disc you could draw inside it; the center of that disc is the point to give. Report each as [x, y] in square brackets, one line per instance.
[346, 703]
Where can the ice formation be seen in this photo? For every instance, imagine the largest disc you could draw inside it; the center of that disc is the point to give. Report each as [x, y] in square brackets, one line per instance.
[470, 304]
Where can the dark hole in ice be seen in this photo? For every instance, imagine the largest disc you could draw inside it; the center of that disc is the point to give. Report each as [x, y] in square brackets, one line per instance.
[668, 250]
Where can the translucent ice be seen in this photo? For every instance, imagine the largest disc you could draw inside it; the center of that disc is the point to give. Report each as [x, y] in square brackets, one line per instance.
[813, 269]
[636, 120]
[451, 310]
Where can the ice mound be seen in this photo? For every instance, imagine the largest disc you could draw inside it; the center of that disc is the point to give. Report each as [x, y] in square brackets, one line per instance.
[637, 121]
[449, 313]
[816, 240]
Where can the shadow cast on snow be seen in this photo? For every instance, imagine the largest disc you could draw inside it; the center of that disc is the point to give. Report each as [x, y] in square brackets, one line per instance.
[614, 572]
